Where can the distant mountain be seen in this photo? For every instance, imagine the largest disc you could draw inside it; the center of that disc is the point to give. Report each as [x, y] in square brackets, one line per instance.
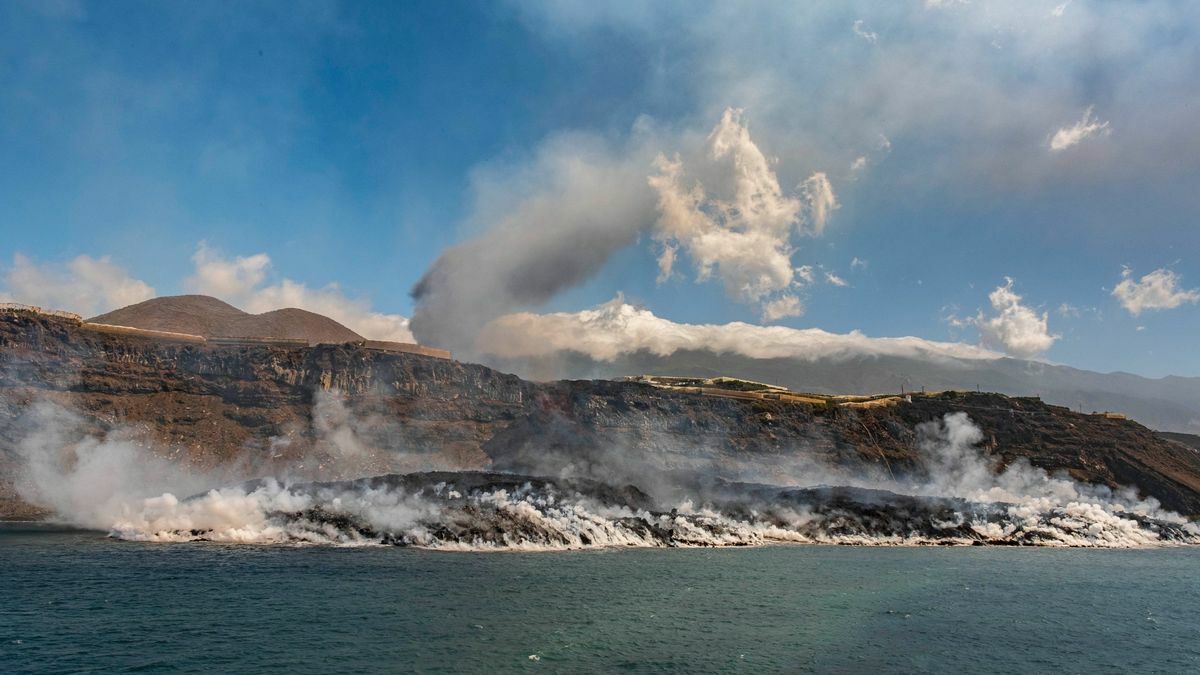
[210, 317]
[1167, 404]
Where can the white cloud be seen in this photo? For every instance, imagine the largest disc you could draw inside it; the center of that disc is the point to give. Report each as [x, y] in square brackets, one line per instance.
[861, 31]
[1075, 134]
[1059, 10]
[84, 285]
[744, 239]
[240, 282]
[835, 279]
[818, 192]
[1069, 310]
[805, 273]
[1015, 328]
[618, 328]
[231, 280]
[1159, 289]
[782, 308]
[858, 264]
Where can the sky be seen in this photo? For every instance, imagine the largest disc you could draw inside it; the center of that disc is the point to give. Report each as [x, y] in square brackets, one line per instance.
[983, 177]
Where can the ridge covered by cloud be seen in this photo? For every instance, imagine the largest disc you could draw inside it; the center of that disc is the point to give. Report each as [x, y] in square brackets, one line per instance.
[1158, 290]
[617, 328]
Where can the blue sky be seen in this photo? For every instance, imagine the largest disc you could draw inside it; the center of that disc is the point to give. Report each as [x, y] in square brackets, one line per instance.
[353, 143]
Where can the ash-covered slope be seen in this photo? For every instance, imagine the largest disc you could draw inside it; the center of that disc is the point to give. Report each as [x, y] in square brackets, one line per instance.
[210, 317]
[338, 411]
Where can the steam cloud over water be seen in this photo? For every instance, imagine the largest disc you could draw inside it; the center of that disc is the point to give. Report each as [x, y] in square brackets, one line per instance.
[114, 484]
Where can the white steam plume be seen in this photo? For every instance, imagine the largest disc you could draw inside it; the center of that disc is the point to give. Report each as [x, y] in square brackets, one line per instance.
[545, 227]
[95, 480]
[115, 485]
[553, 224]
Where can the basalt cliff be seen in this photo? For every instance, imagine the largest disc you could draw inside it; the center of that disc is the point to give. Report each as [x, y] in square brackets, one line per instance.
[265, 406]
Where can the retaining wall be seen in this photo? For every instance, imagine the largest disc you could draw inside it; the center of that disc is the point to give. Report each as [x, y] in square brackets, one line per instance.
[142, 332]
[404, 347]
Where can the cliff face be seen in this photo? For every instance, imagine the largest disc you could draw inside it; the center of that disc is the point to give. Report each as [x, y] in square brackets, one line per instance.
[206, 405]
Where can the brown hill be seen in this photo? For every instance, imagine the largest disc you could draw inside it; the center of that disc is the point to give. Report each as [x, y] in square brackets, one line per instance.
[210, 317]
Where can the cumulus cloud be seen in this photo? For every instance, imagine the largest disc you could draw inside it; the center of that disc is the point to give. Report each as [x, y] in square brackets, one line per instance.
[782, 308]
[1014, 328]
[241, 281]
[1085, 128]
[1160, 289]
[84, 285]
[618, 328]
[743, 239]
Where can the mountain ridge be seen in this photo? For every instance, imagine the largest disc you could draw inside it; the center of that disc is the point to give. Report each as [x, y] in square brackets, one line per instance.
[1170, 403]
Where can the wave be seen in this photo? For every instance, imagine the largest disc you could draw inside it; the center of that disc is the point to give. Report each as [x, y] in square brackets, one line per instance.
[489, 511]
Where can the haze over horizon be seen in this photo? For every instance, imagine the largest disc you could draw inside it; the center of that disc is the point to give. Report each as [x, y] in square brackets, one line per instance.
[972, 179]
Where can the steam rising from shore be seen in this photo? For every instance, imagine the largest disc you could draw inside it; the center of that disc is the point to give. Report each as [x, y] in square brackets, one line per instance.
[117, 485]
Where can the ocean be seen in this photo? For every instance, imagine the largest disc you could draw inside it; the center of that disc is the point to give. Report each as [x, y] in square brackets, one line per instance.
[78, 601]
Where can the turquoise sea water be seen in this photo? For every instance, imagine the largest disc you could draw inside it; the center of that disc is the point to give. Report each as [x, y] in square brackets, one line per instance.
[75, 601]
